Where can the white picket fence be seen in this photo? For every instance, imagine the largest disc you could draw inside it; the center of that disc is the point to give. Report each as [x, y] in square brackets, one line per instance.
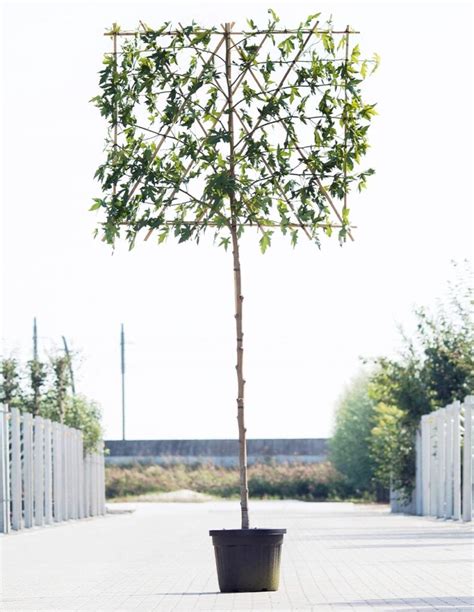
[44, 476]
[444, 464]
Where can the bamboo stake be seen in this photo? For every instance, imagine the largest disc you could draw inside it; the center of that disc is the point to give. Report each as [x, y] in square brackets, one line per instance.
[114, 186]
[249, 224]
[244, 492]
[241, 33]
[344, 206]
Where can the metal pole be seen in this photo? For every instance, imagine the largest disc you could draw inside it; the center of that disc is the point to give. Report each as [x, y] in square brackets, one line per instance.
[35, 340]
[122, 363]
[71, 372]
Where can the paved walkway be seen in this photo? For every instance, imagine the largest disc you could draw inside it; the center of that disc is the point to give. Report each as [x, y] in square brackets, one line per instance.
[335, 557]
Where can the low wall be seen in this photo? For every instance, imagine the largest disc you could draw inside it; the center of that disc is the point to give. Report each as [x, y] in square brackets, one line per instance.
[218, 452]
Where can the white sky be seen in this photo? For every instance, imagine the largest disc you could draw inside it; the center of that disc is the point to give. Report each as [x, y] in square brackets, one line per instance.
[309, 314]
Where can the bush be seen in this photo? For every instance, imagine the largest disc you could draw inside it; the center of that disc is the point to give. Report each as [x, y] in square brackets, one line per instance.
[434, 368]
[310, 482]
[350, 444]
[43, 389]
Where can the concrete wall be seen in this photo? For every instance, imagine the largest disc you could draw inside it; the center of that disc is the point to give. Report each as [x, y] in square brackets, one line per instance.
[219, 452]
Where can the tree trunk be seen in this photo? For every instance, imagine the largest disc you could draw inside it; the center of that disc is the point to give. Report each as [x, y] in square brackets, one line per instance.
[244, 491]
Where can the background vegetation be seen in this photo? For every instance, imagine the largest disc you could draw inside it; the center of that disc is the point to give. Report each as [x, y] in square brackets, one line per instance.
[377, 418]
[310, 482]
[44, 389]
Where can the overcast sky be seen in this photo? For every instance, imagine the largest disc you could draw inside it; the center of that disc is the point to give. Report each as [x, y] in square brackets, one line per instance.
[309, 314]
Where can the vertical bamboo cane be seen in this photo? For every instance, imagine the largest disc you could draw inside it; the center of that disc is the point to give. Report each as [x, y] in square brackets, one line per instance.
[346, 62]
[244, 492]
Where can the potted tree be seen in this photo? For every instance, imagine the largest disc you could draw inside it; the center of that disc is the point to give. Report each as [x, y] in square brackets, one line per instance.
[222, 129]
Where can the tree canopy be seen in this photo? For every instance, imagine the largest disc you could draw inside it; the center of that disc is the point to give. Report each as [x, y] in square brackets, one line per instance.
[299, 131]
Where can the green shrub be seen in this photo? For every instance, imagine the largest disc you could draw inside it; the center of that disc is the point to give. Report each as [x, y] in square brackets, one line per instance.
[311, 482]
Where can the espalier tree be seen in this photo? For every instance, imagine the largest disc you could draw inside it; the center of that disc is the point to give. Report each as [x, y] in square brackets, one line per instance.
[223, 130]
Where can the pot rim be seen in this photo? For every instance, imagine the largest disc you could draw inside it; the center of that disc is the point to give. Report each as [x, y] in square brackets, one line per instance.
[247, 532]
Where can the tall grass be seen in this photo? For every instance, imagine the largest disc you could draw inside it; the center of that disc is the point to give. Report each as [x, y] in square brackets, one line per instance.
[311, 482]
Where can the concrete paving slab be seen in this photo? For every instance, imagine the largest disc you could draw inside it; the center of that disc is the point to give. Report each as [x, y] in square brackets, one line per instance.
[335, 557]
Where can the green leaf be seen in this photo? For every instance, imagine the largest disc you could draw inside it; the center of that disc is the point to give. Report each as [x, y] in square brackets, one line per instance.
[355, 54]
[376, 60]
[311, 18]
[275, 17]
[203, 36]
[265, 241]
[287, 45]
[225, 243]
[97, 204]
[294, 237]
[163, 235]
[342, 43]
[328, 42]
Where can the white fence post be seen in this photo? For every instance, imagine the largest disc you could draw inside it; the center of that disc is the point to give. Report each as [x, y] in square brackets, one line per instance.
[467, 460]
[94, 484]
[44, 475]
[58, 485]
[418, 474]
[28, 468]
[433, 466]
[98, 483]
[425, 464]
[65, 485]
[448, 510]
[4, 472]
[38, 455]
[87, 486]
[16, 477]
[102, 482]
[457, 460]
[48, 473]
[77, 472]
[80, 452]
[441, 424]
[73, 475]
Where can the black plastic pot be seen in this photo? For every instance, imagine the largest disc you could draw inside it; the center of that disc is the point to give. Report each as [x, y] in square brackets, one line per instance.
[248, 559]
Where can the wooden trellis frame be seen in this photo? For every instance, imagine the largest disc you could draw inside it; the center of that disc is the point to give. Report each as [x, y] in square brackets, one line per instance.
[339, 216]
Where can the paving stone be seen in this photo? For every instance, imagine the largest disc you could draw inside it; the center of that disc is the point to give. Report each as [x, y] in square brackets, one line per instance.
[335, 557]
